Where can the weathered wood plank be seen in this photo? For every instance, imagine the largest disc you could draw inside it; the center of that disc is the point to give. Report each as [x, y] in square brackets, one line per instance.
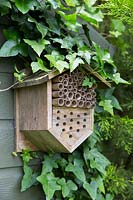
[6, 98]
[10, 186]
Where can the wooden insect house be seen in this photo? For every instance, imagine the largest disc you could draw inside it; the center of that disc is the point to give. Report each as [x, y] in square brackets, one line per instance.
[54, 111]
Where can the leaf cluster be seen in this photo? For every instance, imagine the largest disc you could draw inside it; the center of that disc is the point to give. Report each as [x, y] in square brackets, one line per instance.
[79, 175]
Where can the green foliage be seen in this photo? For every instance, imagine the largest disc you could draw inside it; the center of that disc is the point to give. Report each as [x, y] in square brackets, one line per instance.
[71, 175]
[115, 183]
[119, 130]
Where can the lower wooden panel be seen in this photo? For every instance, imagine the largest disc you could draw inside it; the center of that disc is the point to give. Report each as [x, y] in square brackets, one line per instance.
[10, 179]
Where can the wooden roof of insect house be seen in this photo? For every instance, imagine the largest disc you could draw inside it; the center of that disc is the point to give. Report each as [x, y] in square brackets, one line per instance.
[54, 112]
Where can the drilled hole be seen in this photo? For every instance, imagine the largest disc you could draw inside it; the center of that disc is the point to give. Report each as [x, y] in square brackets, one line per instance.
[84, 126]
[70, 136]
[71, 120]
[58, 111]
[78, 130]
[78, 115]
[64, 123]
[63, 130]
[57, 124]
[84, 120]
[58, 118]
[65, 116]
[71, 128]
[71, 113]
[85, 114]
[78, 122]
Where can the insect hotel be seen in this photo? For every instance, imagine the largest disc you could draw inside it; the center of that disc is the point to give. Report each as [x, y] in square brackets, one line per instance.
[54, 112]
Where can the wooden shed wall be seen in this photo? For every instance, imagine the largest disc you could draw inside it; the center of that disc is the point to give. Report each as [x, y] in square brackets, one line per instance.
[10, 166]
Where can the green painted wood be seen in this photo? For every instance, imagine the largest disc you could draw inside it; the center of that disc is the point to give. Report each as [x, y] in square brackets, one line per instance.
[7, 65]
[7, 145]
[6, 98]
[10, 186]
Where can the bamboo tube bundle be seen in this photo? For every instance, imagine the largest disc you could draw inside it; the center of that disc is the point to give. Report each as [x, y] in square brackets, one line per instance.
[58, 102]
[57, 86]
[58, 79]
[65, 90]
[56, 94]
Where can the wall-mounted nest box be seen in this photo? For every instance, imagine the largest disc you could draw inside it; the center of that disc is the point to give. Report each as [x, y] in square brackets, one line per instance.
[54, 111]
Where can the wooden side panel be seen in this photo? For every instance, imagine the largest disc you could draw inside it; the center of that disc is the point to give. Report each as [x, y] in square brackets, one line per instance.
[10, 186]
[33, 107]
[45, 141]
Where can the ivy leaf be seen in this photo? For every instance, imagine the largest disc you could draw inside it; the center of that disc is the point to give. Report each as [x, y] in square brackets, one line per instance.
[37, 46]
[90, 2]
[67, 187]
[88, 82]
[29, 178]
[39, 65]
[91, 189]
[96, 159]
[100, 184]
[50, 162]
[74, 61]
[91, 17]
[9, 48]
[60, 65]
[25, 5]
[71, 2]
[40, 27]
[53, 3]
[12, 48]
[117, 79]
[5, 4]
[54, 57]
[77, 171]
[108, 95]
[106, 104]
[49, 184]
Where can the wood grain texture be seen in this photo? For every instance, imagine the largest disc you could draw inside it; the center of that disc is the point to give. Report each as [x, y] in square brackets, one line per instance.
[6, 98]
[10, 186]
[33, 108]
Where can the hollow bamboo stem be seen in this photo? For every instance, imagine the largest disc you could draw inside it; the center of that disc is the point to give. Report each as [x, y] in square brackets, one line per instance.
[81, 104]
[70, 95]
[57, 86]
[58, 79]
[68, 103]
[78, 96]
[58, 102]
[88, 104]
[56, 94]
[74, 103]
